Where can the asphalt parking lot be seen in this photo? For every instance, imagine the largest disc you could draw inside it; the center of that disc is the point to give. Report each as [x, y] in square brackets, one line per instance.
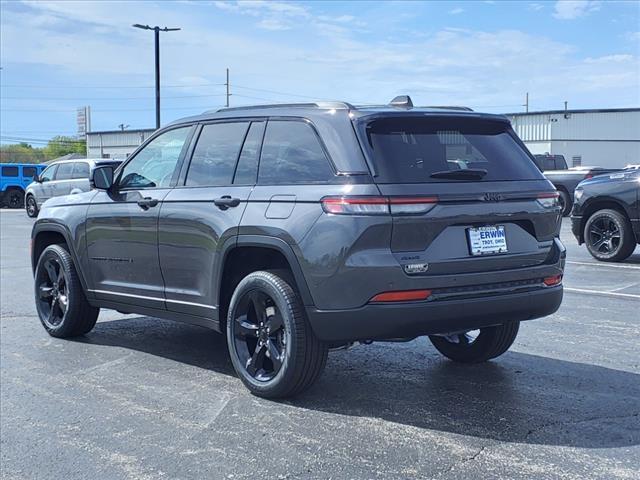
[143, 398]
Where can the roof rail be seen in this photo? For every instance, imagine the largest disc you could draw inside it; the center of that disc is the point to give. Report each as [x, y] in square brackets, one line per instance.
[328, 105]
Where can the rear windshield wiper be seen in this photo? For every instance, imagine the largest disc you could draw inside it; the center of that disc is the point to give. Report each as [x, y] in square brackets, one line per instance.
[462, 174]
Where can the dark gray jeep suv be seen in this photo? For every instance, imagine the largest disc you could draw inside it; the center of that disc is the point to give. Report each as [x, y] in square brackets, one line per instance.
[300, 228]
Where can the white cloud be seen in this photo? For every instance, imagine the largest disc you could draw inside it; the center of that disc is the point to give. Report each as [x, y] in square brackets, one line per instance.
[536, 6]
[456, 11]
[572, 9]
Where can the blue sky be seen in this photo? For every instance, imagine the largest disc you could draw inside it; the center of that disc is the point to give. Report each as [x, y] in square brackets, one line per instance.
[56, 56]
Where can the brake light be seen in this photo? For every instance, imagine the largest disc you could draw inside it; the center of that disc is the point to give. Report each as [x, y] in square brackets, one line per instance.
[402, 296]
[588, 176]
[548, 199]
[378, 205]
[553, 281]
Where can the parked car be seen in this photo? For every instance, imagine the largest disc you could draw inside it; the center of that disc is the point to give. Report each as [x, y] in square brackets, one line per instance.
[606, 215]
[61, 178]
[14, 178]
[299, 228]
[550, 162]
[566, 182]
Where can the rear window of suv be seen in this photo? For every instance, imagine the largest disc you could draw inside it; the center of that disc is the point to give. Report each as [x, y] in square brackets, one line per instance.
[413, 149]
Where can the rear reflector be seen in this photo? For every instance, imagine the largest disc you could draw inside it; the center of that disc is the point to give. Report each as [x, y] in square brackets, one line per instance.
[402, 296]
[553, 281]
[378, 205]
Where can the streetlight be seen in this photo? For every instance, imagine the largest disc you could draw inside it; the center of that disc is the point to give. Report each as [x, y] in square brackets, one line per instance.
[157, 31]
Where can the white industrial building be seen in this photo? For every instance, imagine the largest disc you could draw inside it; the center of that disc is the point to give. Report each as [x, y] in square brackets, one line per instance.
[118, 144]
[604, 137]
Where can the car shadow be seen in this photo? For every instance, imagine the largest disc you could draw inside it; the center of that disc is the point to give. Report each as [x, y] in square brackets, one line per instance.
[519, 398]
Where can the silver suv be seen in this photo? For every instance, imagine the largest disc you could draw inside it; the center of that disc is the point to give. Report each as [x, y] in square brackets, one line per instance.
[61, 178]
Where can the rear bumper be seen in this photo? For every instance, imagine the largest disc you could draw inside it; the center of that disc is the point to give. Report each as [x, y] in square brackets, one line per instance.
[406, 320]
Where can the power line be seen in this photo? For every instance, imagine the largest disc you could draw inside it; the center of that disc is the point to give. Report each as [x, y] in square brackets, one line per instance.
[119, 87]
[108, 98]
[195, 107]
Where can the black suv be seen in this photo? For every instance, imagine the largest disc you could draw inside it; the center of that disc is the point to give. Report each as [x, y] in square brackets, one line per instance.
[606, 215]
[300, 228]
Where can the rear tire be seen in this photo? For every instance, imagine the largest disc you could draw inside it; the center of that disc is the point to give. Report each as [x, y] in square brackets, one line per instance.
[609, 236]
[31, 206]
[14, 198]
[271, 344]
[490, 343]
[60, 300]
[565, 203]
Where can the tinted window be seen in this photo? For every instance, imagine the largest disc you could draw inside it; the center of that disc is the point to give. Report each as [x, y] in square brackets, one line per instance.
[411, 150]
[48, 173]
[216, 153]
[29, 172]
[292, 154]
[247, 169]
[9, 171]
[81, 170]
[154, 165]
[65, 171]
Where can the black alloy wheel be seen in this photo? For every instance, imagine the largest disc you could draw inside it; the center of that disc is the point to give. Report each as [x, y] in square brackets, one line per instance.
[61, 303]
[53, 298]
[259, 335]
[477, 346]
[271, 343]
[16, 199]
[609, 236]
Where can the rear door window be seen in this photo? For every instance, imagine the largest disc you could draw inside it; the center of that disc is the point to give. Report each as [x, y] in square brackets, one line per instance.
[418, 150]
[292, 154]
[65, 171]
[216, 153]
[29, 172]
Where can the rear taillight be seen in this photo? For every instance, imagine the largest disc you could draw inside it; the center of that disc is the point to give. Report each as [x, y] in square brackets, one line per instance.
[402, 296]
[588, 176]
[378, 205]
[548, 199]
[552, 281]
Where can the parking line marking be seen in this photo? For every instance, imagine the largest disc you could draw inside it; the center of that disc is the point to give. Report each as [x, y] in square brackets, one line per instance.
[598, 292]
[632, 267]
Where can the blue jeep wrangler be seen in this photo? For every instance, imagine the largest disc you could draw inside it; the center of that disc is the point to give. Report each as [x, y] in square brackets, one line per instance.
[14, 178]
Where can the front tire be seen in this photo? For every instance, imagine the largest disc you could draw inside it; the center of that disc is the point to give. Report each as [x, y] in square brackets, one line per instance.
[490, 342]
[609, 236]
[31, 206]
[271, 344]
[60, 300]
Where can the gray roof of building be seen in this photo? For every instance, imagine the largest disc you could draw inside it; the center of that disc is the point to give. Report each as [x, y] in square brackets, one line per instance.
[588, 110]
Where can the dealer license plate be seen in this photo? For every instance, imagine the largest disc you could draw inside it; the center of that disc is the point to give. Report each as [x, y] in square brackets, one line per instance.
[487, 240]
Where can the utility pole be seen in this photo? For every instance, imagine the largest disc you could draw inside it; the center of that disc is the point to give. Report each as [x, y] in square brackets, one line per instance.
[157, 31]
[526, 103]
[227, 84]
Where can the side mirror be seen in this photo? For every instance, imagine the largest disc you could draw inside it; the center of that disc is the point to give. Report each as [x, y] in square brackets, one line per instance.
[102, 177]
[37, 178]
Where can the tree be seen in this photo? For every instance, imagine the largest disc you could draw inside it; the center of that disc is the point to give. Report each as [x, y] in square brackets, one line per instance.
[21, 153]
[60, 145]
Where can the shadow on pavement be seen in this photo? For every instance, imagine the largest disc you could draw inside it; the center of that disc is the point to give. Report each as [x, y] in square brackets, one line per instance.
[518, 398]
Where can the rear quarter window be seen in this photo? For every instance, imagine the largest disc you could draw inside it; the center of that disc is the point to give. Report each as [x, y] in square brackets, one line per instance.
[412, 149]
[29, 172]
[9, 171]
[292, 154]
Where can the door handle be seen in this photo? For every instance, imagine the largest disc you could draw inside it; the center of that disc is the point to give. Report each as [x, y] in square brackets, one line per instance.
[226, 201]
[147, 202]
